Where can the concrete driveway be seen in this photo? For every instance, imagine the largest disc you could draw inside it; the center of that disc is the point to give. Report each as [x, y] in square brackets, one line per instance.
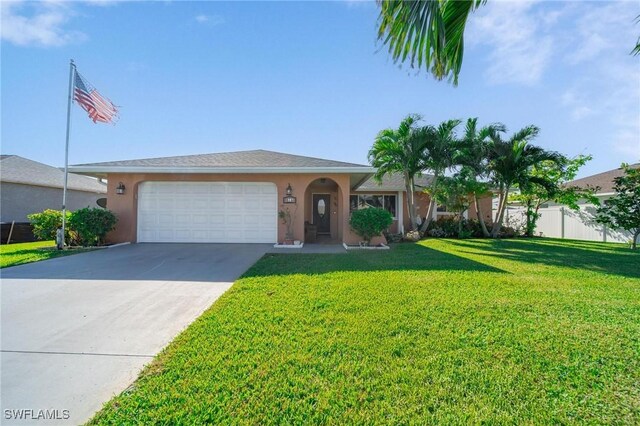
[77, 330]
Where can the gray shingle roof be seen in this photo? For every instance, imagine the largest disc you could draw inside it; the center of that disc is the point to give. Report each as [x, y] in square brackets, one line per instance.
[17, 169]
[602, 180]
[393, 182]
[239, 159]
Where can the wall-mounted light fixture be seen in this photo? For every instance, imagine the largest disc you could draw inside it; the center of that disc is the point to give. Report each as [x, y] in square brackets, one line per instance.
[120, 188]
[289, 199]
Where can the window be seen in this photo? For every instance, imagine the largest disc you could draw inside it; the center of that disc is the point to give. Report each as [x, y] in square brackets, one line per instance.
[387, 202]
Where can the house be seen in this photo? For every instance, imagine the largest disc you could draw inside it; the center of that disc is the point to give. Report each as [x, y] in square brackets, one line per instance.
[558, 221]
[236, 196]
[391, 189]
[29, 186]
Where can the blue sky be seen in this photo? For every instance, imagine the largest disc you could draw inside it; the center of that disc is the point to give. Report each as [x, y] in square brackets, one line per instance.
[309, 78]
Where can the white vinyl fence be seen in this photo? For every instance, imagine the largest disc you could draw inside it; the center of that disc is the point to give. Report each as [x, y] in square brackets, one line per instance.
[563, 222]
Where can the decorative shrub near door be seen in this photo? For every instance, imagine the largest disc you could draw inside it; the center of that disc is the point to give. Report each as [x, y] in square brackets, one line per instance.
[370, 222]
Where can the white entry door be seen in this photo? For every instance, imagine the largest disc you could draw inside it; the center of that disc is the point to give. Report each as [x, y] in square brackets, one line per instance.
[207, 212]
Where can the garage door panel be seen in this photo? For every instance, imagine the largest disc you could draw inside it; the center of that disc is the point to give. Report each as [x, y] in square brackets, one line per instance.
[207, 212]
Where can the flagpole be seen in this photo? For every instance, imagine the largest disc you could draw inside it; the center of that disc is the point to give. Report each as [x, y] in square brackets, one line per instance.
[61, 239]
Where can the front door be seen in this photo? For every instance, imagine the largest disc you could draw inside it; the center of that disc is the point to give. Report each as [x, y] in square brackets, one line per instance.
[321, 213]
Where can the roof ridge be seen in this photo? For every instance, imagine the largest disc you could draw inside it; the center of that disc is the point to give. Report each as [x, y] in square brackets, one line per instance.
[222, 154]
[634, 165]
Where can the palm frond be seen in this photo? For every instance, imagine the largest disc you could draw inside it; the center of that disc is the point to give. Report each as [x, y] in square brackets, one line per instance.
[427, 33]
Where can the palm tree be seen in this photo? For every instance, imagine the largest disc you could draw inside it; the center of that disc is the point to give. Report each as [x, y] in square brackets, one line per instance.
[427, 32]
[439, 147]
[510, 164]
[400, 151]
[472, 155]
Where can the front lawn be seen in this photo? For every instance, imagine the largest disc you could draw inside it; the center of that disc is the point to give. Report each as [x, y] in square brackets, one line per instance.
[446, 331]
[17, 254]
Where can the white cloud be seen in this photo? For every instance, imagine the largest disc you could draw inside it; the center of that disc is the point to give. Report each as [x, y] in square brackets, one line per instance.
[520, 48]
[44, 26]
[43, 23]
[209, 19]
[588, 41]
[607, 82]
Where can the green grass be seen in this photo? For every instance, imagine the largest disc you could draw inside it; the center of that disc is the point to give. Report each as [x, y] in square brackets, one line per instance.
[444, 331]
[17, 254]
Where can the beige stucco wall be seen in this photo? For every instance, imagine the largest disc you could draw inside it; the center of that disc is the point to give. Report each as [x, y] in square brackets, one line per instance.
[19, 200]
[125, 206]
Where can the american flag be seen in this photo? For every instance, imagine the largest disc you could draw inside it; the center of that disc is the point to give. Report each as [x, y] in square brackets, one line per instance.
[99, 108]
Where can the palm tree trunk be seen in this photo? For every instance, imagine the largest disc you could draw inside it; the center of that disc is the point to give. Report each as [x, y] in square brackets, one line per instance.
[483, 225]
[497, 224]
[501, 209]
[432, 206]
[411, 205]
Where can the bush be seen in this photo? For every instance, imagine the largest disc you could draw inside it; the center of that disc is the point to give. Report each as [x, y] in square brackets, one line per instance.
[46, 223]
[369, 223]
[92, 225]
[447, 227]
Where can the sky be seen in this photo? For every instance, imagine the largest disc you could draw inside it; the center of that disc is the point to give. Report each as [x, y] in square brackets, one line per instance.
[309, 78]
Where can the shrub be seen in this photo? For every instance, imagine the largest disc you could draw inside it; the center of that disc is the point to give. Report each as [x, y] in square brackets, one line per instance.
[369, 223]
[92, 225]
[448, 227]
[46, 223]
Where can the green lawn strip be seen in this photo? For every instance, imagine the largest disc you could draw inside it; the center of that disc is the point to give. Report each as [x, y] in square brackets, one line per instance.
[441, 331]
[20, 253]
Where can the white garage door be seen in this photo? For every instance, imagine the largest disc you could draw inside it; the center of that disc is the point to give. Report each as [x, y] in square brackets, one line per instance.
[207, 212]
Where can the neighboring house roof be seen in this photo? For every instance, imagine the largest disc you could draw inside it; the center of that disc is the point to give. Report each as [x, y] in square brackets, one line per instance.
[393, 182]
[16, 169]
[258, 161]
[602, 180]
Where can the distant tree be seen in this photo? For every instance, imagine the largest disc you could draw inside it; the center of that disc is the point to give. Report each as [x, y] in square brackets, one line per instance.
[401, 151]
[547, 181]
[510, 164]
[472, 153]
[440, 145]
[427, 33]
[622, 211]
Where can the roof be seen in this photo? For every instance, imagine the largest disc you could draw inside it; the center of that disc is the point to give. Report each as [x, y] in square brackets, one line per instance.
[392, 182]
[257, 161]
[16, 169]
[604, 180]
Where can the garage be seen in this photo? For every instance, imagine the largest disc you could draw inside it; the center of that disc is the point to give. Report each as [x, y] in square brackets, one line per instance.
[207, 212]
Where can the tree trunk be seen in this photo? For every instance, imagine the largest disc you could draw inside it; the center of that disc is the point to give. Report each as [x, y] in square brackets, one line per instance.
[411, 205]
[635, 239]
[432, 206]
[483, 225]
[497, 217]
[501, 209]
